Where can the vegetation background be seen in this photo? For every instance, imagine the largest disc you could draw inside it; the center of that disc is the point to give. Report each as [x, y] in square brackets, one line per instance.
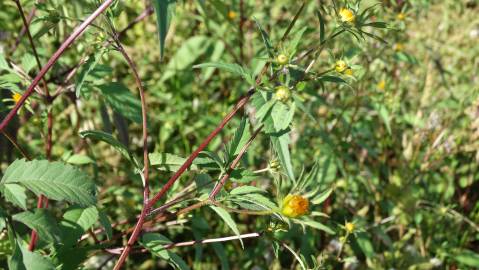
[383, 145]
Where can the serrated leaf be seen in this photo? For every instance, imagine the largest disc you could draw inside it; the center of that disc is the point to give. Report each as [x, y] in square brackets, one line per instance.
[16, 194]
[227, 219]
[28, 62]
[282, 115]
[42, 222]
[122, 100]
[109, 139]
[55, 180]
[165, 11]
[3, 62]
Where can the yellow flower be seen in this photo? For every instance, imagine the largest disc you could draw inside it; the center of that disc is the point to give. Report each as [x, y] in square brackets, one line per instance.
[231, 15]
[349, 227]
[346, 15]
[295, 206]
[282, 93]
[398, 47]
[282, 59]
[381, 85]
[16, 97]
[348, 72]
[341, 66]
[401, 16]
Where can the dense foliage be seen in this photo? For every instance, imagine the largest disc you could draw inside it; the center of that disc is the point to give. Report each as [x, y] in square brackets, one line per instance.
[278, 134]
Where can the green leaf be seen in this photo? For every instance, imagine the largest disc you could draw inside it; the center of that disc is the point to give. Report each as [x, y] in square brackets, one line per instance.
[28, 62]
[242, 176]
[168, 162]
[105, 222]
[86, 68]
[155, 243]
[322, 196]
[317, 225]
[227, 219]
[108, 138]
[365, 244]
[246, 190]
[322, 32]
[122, 100]
[42, 222]
[330, 78]
[467, 257]
[186, 55]
[55, 180]
[79, 159]
[281, 147]
[23, 259]
[16, 194]
[267, 42]
[3, 62]
[84, 217]
[165, 11]
[76, 221]
[282, 115]
[376, 24]
[232, 68]
[240, 138]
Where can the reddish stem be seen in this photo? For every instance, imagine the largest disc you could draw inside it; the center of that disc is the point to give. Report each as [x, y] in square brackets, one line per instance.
[78, 32]
[233, 165]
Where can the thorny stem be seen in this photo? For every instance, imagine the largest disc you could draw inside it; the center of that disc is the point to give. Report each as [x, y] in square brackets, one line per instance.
[76, 33]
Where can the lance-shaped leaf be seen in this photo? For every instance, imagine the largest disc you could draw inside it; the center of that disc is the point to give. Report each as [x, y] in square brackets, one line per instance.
[55, 180]
[165, 10]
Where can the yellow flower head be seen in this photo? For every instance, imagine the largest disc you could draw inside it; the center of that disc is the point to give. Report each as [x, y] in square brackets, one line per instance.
[346, 15]
[295, 206]
[401, 16]
[381, 85]
[340, 66]
[282, 59]
[349, 72]
[398, 47]
[16, 97]
[349, 227]
[282, 93]
[231, 15]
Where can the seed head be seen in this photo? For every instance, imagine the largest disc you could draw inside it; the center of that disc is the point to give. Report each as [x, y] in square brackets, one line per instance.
[282, 93]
